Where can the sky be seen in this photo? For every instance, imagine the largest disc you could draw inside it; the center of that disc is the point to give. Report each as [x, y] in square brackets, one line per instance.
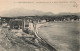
[54, 6]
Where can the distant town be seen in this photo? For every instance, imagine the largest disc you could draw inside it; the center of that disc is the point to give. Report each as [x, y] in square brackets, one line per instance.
[23, 20]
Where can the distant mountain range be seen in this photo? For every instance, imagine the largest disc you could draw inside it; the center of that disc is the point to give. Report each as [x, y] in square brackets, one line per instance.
[25, 12]
[69, 14]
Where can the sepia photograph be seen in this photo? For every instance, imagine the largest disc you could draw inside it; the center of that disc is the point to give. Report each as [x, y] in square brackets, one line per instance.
[39, 25]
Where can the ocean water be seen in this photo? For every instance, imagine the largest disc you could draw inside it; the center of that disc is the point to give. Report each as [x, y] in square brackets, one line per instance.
[63, 36]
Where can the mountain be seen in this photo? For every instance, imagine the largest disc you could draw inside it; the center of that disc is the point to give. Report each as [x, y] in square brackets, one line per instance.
[68, 13]
[25, 12]
[22, 12]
